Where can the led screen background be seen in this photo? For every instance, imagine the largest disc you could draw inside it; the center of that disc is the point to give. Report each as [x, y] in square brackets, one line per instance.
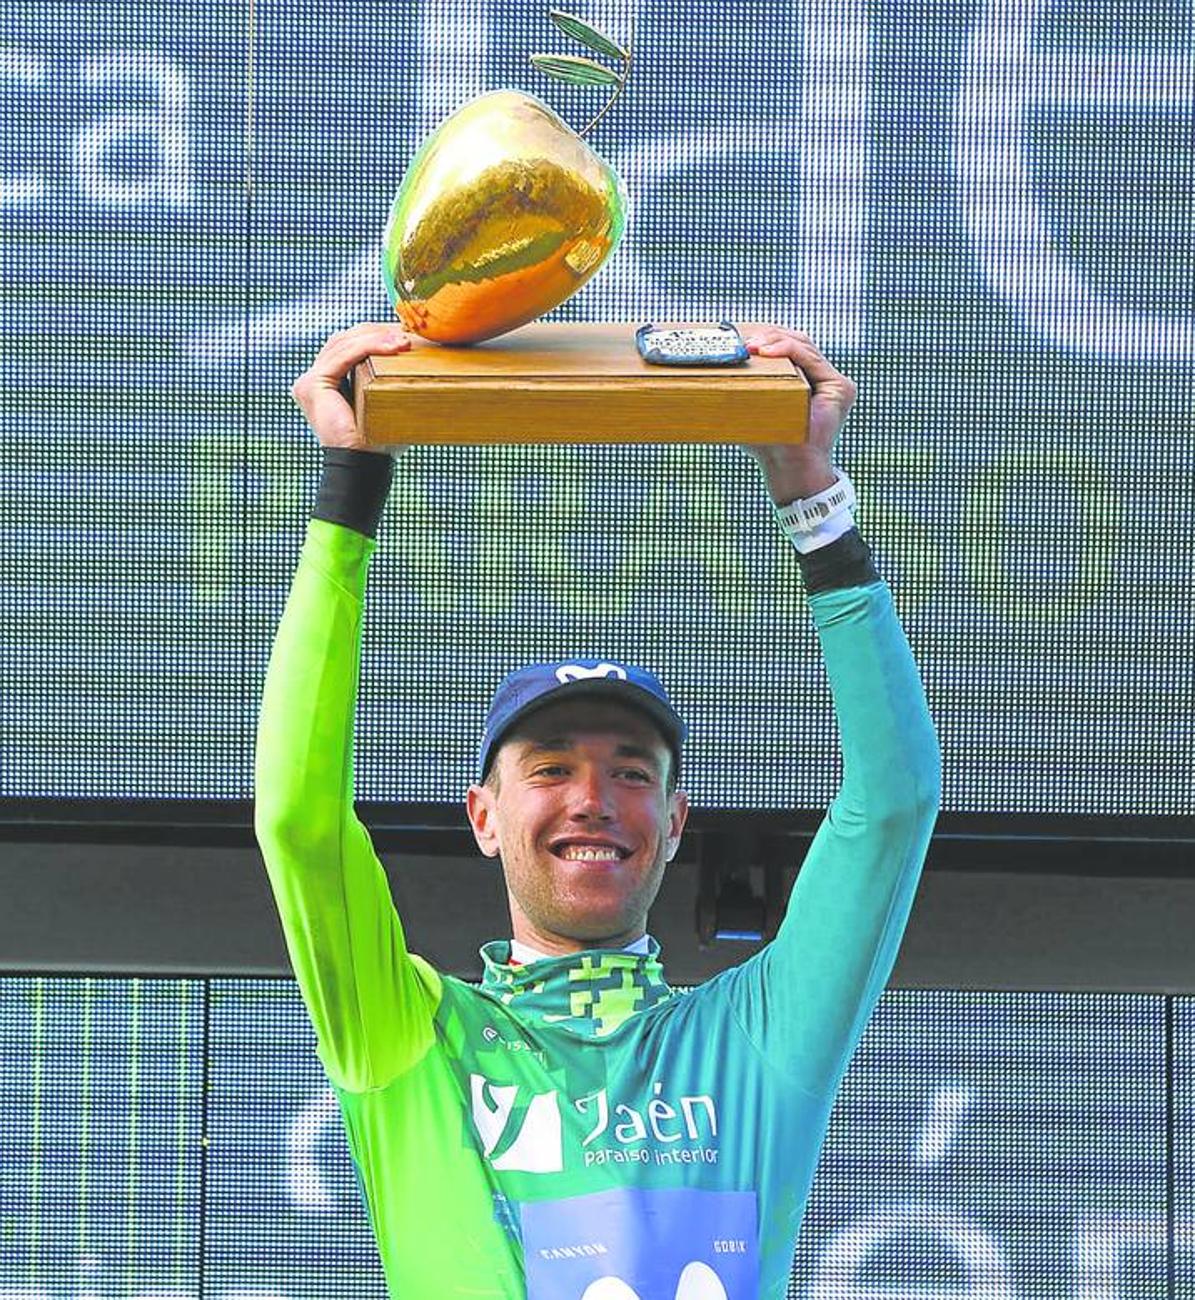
[983, 211]
[176, 1138]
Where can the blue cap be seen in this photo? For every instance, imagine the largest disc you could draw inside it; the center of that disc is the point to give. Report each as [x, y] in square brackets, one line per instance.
[534, 687]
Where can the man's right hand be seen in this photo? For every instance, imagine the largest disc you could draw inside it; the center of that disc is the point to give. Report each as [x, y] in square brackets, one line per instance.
[317, 391]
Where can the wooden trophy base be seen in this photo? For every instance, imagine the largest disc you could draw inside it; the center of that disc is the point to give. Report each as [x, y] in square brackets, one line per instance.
[573, 383]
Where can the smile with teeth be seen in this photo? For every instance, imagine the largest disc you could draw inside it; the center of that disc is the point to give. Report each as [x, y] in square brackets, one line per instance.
[589, 852]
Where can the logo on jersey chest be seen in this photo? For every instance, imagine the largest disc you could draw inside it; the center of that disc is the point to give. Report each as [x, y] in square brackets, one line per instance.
[525, 1137]
[524, 1131]
[631, 1244]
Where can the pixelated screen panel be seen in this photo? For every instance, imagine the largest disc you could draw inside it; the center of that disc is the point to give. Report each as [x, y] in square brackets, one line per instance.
[982, 212]
[178, 1137]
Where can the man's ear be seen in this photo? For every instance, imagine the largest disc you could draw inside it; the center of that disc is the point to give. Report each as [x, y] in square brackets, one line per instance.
[480, 805]
[678, 813]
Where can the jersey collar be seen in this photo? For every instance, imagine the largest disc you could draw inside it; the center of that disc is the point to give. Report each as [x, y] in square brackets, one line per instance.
[590, 993]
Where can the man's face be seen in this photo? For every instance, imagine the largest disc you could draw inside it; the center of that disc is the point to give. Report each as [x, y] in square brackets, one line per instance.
[582, 819]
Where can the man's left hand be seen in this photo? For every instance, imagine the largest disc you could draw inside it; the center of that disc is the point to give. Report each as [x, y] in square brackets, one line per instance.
[797, 470]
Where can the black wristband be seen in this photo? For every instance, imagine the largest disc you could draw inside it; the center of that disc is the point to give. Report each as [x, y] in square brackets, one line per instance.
[845, 562]
[353, 488]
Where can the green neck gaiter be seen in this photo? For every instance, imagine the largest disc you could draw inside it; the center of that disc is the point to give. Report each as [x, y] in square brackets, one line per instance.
[590, 993]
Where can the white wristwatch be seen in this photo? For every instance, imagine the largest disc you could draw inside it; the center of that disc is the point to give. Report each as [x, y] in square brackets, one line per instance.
[810, 513]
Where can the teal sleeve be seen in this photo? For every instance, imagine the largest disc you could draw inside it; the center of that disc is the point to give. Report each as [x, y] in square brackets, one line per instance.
[371, 1004]
[805, 1000]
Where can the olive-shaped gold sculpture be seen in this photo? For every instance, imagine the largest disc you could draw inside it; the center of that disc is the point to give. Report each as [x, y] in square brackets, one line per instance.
[504, 212]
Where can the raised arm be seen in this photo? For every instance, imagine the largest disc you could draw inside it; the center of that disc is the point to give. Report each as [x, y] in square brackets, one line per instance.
[369, 1002]
[805, 1000]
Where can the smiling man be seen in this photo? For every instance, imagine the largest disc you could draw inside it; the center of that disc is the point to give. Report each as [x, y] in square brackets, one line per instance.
[579, 800]
[571, 1129]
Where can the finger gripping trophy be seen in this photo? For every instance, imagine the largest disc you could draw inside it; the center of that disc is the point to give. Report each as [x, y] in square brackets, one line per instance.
[505, 211]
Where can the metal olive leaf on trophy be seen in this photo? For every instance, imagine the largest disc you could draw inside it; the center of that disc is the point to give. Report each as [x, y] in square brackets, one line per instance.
[505, 211]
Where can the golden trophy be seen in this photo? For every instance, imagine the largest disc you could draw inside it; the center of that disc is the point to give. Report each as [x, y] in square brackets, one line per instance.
[503, 214]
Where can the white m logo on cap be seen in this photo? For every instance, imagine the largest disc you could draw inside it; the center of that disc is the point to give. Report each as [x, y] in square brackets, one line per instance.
[578, 672]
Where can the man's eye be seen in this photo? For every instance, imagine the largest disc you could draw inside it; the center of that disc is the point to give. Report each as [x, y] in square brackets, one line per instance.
[638, 773]
[551, 769]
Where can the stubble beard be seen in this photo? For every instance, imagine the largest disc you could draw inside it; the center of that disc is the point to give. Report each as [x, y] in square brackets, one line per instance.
[540, 904]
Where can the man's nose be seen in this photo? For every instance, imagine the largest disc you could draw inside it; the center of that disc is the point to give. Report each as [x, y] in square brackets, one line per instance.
[591, 795]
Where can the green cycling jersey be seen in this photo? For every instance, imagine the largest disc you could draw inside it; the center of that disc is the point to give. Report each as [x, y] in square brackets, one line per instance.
[573, 1129]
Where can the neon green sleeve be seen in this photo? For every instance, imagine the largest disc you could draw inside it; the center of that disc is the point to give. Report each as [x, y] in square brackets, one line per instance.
[370, 1002]
[806, 999]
